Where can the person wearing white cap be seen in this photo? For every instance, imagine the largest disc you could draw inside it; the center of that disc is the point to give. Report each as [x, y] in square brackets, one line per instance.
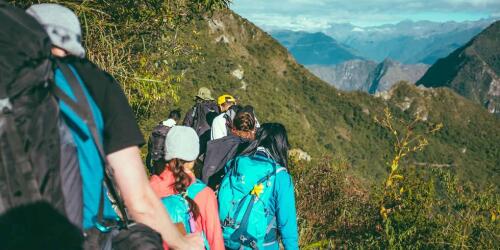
[182, 147]
[62, 26]
[115, 120]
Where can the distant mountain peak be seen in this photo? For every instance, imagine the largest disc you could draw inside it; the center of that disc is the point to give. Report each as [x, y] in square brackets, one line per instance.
[472, 70]
[315, 48]
[368, 76]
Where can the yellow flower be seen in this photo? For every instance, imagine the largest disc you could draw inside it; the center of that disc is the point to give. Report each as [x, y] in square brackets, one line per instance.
[257, 189]
[383, 212]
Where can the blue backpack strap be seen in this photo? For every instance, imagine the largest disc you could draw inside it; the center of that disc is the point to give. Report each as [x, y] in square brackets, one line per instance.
[195, 188]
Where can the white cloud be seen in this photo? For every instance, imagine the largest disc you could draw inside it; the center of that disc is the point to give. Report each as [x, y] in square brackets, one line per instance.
[317, 14]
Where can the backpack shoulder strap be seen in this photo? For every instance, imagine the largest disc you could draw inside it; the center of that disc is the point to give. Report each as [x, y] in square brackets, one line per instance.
[195, 188]
[82, 108]
[281, 169]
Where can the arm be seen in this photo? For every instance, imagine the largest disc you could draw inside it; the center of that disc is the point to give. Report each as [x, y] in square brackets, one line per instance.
[210, 218]
[141, 201]
[188, 118]
[286, 215]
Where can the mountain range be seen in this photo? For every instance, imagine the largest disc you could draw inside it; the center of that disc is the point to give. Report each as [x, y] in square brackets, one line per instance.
[407, 42]
[472, 70]
[368, 76]
[314, 48]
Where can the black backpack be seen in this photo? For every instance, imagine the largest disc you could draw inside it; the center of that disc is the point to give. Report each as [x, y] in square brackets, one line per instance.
[29, 134]
[156, 148]
[203, 113]
[33, 168]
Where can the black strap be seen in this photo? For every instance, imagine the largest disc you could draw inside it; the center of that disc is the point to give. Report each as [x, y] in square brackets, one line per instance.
[241, 235]
[82, 108]
[22, 184]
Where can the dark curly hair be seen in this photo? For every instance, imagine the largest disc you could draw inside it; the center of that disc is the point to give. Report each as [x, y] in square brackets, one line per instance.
[244, 125]
[182, 181]
[244, 121]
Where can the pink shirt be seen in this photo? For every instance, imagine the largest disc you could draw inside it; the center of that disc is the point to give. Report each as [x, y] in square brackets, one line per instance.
[208, 221]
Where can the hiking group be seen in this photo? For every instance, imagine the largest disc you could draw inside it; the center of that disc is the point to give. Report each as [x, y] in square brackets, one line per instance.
[71, 173]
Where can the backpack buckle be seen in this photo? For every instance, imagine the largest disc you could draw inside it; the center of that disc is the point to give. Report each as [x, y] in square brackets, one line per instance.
[253, 244]
[228, 222]
[5, 105]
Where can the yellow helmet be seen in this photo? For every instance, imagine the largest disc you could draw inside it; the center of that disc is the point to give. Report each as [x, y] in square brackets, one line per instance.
[225, 98]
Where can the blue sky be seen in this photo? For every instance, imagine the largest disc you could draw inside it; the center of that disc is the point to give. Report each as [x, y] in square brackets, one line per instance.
[313, 15]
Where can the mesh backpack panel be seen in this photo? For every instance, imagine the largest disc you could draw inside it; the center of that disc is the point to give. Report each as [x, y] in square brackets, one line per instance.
[155, 161]
[158, 137]
[203, 110]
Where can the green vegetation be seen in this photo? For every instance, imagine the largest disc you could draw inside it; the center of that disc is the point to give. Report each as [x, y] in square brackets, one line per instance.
[413, 208]
[435, 210]
[162, 51]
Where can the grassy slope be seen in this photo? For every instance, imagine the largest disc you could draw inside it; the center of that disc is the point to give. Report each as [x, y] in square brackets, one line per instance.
[322, 120]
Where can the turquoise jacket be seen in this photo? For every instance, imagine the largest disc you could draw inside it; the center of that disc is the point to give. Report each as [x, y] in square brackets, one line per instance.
[283, 207]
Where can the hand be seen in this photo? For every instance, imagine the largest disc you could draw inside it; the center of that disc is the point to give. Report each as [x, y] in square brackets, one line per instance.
[193, 242]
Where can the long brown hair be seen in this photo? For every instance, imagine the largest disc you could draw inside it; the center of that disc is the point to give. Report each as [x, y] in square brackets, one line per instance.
[182, 182]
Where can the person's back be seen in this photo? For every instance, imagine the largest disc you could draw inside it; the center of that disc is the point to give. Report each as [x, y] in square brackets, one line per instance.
[177, 185]
[260, 177]
[221, 125]
[204, 106]
[86, 140]
[221, 150]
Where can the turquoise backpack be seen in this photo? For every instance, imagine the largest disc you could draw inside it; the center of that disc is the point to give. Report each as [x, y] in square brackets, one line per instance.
[178, 208]
[243, 196]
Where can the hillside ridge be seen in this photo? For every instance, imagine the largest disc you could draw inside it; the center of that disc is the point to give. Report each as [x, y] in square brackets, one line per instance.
[472, 70]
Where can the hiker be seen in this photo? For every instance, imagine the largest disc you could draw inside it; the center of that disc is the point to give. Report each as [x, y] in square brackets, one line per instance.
[196, 116]
[156, 144]
[257, 194]
[190, 203]
[201, 115]
[173, 118]
[98, 126]
[222, 123]
[221, 150]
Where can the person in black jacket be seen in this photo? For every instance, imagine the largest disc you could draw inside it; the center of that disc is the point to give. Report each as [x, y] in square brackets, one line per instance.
[221, 150]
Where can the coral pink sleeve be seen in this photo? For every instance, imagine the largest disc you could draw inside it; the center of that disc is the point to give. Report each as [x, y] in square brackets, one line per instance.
[209, 218]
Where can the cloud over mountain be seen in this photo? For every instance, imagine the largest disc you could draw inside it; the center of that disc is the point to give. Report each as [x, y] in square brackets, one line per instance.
[316, 15]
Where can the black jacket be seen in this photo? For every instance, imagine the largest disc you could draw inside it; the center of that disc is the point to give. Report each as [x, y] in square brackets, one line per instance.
[219, 152]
